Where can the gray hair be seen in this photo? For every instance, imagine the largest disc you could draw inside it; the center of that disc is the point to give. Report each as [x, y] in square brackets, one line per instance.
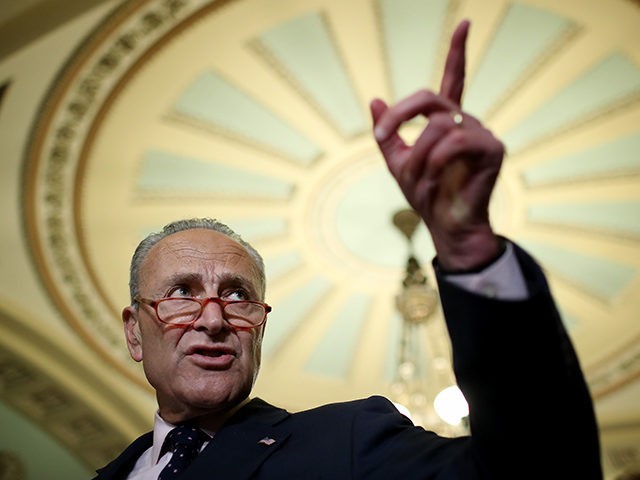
[178, 226]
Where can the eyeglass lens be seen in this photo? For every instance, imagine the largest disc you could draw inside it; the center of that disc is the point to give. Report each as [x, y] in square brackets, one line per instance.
[185, 310]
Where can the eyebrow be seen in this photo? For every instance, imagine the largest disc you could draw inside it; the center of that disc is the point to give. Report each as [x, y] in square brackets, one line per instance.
[182, 277]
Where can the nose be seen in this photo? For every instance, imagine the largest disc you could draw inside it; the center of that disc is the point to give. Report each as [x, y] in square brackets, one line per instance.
[211, 317]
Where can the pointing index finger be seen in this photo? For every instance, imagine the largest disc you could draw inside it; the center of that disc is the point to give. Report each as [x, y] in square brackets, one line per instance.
[453, 76]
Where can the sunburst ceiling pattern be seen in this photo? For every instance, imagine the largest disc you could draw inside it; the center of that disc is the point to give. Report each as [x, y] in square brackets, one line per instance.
[257, 113]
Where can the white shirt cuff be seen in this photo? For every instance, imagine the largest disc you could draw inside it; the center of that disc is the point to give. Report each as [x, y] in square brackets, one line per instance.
[502, 279]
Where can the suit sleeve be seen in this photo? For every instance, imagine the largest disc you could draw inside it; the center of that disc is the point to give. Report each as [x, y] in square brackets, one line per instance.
[530, 410]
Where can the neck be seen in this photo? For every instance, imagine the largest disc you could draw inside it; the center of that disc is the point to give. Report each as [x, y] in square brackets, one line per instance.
[211, 421]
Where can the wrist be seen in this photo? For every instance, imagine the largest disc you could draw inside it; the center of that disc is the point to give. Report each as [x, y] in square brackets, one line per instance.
[473, 254]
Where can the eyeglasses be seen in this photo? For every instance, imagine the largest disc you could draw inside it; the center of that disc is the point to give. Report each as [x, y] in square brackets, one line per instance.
[183, 311]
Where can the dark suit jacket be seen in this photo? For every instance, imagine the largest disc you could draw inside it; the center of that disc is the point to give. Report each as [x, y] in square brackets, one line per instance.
[531, 415]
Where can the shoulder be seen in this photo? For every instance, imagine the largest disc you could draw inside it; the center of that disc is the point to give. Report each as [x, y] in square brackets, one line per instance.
[372, 412]
[374, 405]
[374, 402]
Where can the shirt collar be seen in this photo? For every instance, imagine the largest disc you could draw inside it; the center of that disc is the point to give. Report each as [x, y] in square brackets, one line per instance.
[161, 429]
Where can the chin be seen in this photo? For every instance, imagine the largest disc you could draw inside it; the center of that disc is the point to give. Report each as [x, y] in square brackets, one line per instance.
[215, 396]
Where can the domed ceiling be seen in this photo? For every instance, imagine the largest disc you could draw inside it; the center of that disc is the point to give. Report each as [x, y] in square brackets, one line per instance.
[256, 113]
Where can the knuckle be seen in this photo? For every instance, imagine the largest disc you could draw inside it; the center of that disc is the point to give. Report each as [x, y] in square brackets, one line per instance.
[458, 136]
[499, 149]
[425, 95]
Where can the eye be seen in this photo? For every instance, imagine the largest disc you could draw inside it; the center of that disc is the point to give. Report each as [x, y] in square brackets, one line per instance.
[179, 291]
[236, 294]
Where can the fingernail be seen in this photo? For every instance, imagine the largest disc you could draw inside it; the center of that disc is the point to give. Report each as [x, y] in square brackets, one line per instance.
[380, 133]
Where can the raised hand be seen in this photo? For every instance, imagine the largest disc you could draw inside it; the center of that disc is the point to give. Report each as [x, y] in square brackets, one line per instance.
[448, 174]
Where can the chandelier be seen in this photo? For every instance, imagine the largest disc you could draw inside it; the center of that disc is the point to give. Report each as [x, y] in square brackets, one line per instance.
[424, 387]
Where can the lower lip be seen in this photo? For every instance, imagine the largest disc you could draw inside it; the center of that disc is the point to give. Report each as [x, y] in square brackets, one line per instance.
[217, 363]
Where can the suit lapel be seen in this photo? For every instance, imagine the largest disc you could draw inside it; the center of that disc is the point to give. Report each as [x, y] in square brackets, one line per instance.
[243, 444]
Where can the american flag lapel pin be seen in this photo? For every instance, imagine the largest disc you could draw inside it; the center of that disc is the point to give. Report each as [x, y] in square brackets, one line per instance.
[267, 441]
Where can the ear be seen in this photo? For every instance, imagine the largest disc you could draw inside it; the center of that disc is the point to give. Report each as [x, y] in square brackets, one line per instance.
[132, 332]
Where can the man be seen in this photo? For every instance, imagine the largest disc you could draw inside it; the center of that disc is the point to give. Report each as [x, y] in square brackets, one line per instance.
[197, 319]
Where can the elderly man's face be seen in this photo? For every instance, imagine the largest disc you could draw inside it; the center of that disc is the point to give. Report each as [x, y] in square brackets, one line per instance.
[208, 367]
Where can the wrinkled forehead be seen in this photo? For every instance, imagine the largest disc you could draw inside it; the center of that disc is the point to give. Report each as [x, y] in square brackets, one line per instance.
[202, 251]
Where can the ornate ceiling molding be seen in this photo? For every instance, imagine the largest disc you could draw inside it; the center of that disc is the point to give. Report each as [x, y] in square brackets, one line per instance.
[56, 155]
[48, 385]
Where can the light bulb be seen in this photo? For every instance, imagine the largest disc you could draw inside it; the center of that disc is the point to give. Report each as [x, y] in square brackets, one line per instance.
[451, 405]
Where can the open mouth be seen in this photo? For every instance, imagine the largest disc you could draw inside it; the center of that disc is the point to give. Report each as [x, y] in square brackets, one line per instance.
[212, 356]
[212, 353]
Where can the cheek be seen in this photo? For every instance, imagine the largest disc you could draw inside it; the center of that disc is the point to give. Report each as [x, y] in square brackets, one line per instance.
[256, 351]
[257, 348]
[160, 360]
[158, 346]
[251, 346]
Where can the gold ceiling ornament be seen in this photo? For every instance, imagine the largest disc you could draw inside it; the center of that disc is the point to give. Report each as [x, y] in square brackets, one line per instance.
[423, 369]
[406, 220]
[418, 300]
